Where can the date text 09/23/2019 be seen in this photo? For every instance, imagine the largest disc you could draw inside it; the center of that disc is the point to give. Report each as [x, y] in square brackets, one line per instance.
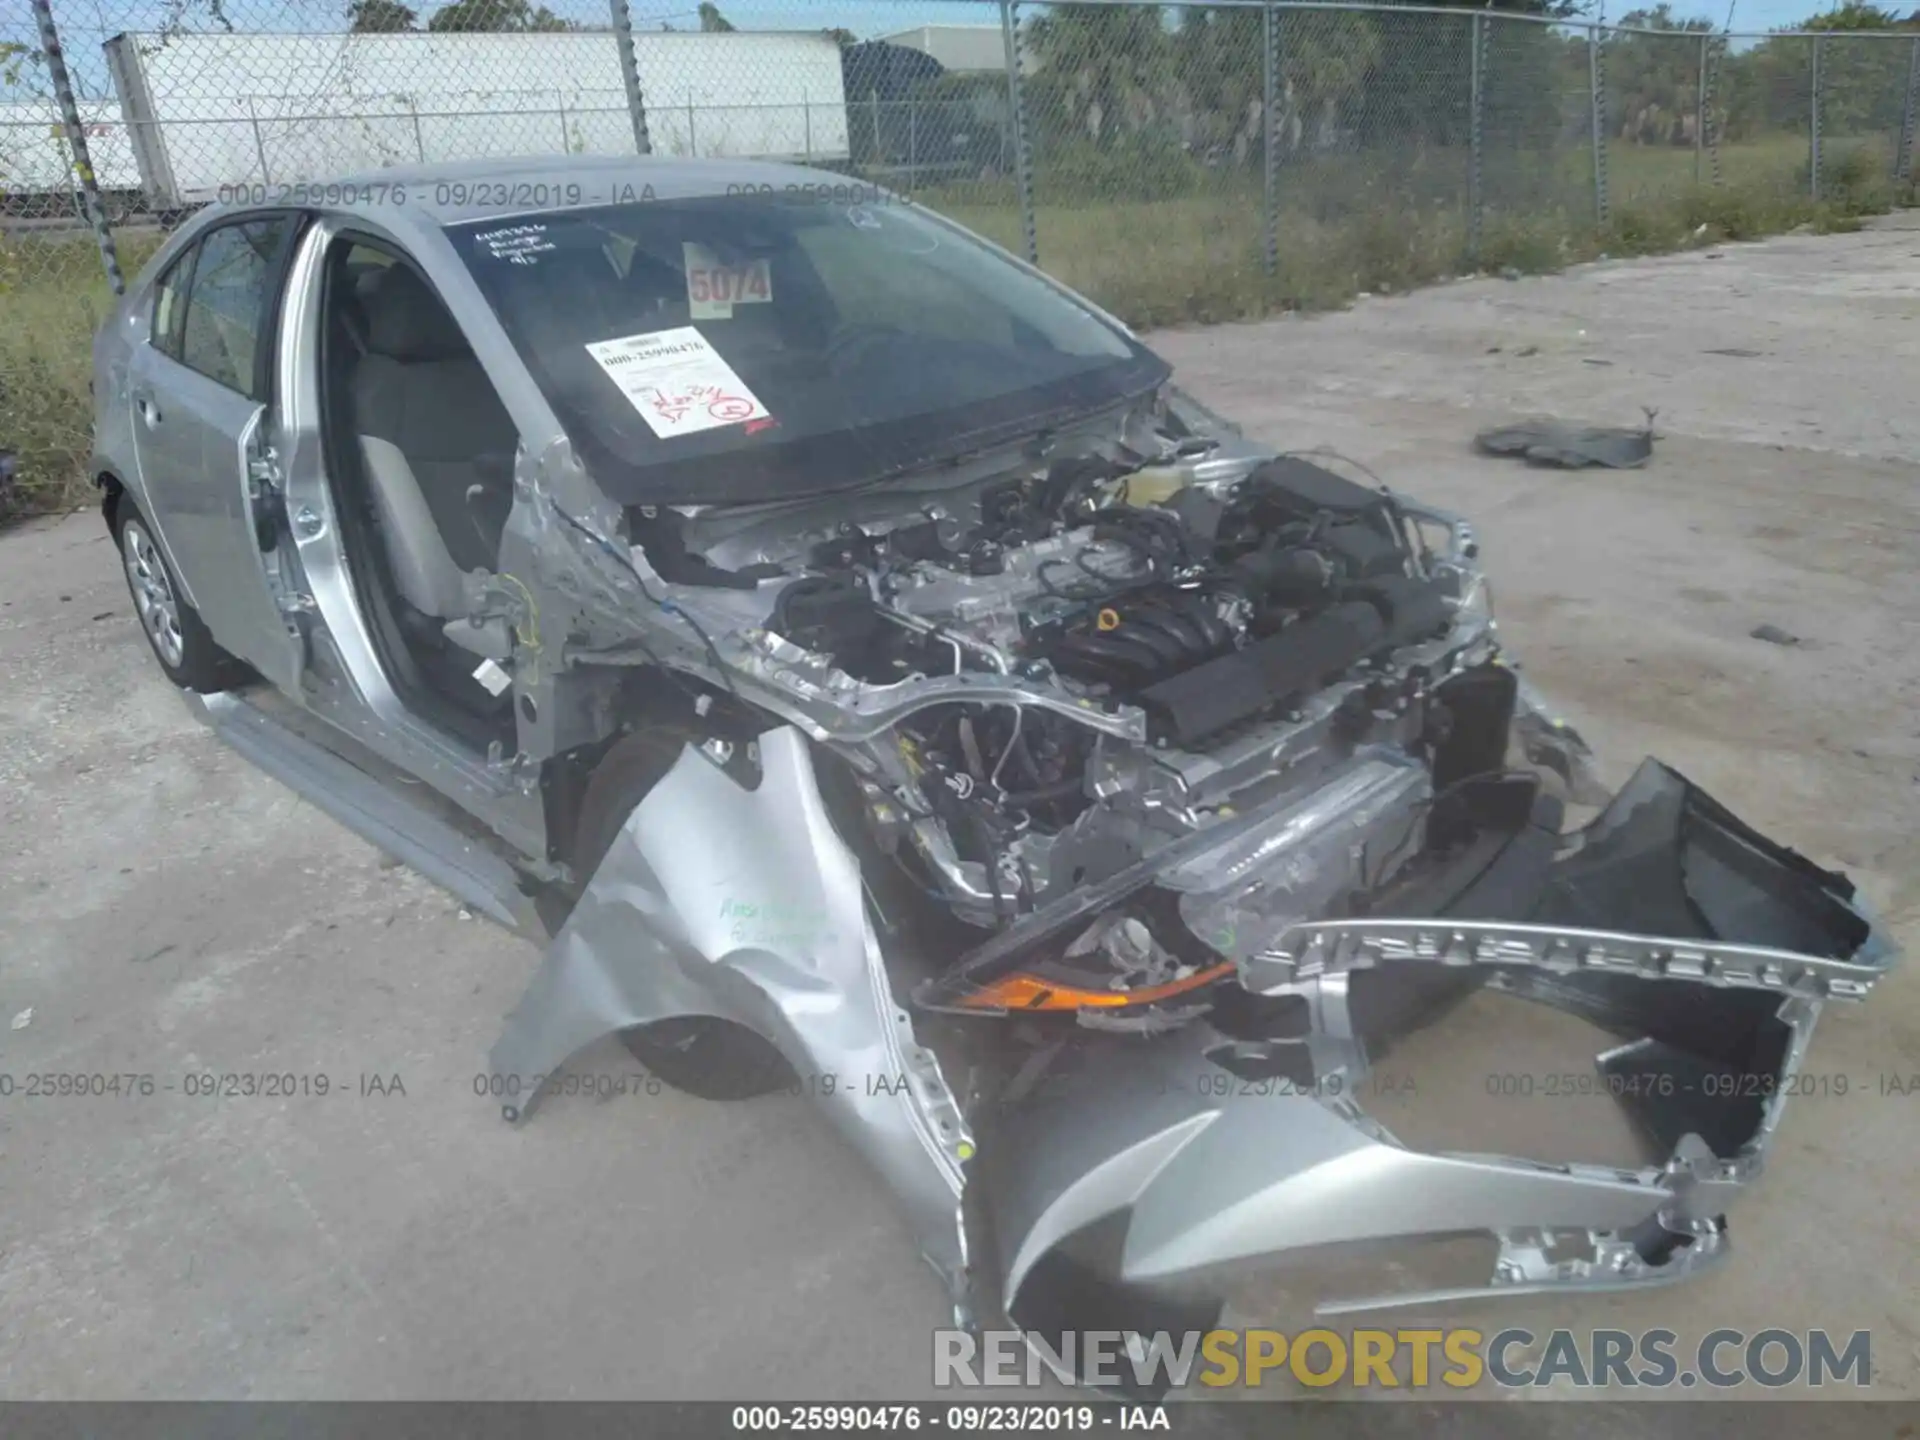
[1032, 1418]
[197, 1085]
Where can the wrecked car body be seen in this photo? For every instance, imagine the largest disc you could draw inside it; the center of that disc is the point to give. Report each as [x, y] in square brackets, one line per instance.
[1075, 797]
[1271, 910]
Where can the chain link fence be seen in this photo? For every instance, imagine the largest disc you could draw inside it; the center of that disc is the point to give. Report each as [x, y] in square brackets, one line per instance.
[1177, 162]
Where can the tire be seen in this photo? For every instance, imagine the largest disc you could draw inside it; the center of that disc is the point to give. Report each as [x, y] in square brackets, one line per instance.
[707, 1056]
[179, 640]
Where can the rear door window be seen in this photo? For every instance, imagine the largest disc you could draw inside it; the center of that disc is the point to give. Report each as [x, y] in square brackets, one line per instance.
[226, 310]
[170, 304]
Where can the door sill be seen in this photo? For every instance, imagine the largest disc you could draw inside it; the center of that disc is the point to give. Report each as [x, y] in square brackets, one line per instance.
[400, 816]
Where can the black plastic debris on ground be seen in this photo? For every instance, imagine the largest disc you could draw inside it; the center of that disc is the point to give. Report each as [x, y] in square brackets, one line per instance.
[1570, 447]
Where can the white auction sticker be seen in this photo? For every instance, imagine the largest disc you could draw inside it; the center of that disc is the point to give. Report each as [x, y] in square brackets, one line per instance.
[714, 289]
[516, 244]
[677, 381]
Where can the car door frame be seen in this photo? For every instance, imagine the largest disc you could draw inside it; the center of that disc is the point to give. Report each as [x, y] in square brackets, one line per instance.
[351, 688]
[217, 521]
[185, 253]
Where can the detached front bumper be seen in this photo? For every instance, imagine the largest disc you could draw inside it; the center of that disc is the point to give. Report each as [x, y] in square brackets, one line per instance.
[1115, 1180]
[1130, 1180]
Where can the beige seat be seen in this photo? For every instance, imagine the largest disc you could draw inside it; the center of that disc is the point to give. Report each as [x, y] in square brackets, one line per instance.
[438, 449]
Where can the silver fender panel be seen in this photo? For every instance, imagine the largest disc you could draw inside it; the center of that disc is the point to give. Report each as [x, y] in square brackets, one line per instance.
[723, 900]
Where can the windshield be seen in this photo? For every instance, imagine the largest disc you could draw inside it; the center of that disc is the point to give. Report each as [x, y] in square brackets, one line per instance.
[757, 347]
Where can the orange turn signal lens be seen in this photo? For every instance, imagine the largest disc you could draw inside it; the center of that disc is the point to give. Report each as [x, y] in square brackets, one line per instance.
[1028, 992]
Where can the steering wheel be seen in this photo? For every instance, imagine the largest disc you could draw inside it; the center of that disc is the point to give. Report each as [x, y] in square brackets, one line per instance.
[852, 344]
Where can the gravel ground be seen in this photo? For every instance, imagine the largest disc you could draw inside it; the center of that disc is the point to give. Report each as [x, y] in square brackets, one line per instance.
[170, 912]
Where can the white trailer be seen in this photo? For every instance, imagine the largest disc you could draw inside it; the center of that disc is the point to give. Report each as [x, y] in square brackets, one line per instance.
[36, 162]
[206, 112]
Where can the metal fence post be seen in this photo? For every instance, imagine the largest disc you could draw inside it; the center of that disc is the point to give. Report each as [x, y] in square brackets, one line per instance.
[1476, 158]
[1713, 102]
[1597, 82]
[259, 142]
[90, 201]
[1022, 153]
[1700, 111]
[1270, 135]
[1813, 120]
[1909, 118]
[419, 140]
[630, 76]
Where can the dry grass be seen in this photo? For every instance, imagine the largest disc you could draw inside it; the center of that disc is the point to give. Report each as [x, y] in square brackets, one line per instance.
[1199, 258]
[53, 295]
[1344, 228]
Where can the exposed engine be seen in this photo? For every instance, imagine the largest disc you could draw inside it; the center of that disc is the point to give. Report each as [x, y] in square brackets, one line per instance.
[1046, 679]
[1206, 609]
[1213, 610]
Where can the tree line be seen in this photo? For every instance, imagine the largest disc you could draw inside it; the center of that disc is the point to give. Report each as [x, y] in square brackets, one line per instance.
[514, 17]
[1147, 82]
[1109, 77]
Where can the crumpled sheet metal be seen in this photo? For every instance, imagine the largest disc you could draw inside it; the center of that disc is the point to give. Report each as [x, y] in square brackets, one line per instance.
[575, 562]
[1152, 1164]
[720, 900]
[1548, 740]
[1569, 447]
[1180, 1185]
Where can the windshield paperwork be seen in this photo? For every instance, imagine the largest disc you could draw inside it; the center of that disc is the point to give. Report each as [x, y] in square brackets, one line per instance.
[759, 347]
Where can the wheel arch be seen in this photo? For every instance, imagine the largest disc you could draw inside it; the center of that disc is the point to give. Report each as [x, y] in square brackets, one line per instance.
[654, 705]
[112, 490]
[116, 494]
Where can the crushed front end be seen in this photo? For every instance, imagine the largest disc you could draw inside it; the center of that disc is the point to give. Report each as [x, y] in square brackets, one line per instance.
[1129, 1182]
[1083, 826]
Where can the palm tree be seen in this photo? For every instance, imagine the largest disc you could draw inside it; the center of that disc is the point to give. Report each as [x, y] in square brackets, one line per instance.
[1099, 71]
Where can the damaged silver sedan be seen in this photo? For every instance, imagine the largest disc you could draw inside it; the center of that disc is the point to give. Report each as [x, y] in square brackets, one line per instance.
[864, 671]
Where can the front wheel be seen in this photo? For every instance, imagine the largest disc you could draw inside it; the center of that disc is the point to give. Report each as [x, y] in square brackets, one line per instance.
[180, 642]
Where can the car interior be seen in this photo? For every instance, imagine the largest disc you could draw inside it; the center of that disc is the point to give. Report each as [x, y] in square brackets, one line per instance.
[420, 452]
[420, 449]
[599, 284]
